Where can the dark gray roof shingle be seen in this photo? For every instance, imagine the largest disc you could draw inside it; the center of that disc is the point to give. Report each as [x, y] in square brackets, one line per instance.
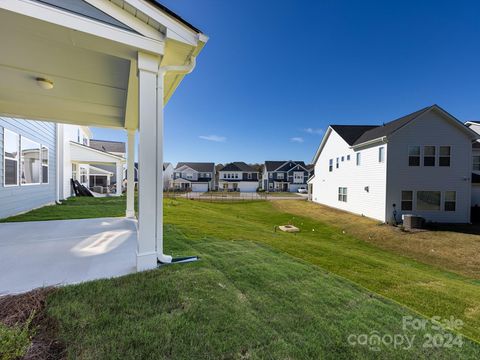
[238, 166]
[198, 166]
[389, 128]
[351, 133]
[108, 146]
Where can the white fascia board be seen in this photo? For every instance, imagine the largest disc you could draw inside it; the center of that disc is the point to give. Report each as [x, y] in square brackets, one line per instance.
[183, 167]
[322, 144]
[382, 139]
[82, 24]
[109, 156]
[175, 29]
[128, 19]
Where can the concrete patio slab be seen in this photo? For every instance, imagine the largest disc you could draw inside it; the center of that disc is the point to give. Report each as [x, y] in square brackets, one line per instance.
[34, 254]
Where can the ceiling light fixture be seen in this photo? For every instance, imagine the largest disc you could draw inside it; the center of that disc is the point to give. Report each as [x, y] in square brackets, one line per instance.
[44, 83]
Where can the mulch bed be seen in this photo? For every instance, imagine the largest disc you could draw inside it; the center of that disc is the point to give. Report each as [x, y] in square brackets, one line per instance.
[16, 310]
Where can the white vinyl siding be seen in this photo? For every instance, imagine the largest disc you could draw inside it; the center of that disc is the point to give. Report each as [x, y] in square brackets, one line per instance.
[431, 129]
[371, 174]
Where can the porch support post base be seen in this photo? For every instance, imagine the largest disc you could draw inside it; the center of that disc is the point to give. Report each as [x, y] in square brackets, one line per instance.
[146, 261]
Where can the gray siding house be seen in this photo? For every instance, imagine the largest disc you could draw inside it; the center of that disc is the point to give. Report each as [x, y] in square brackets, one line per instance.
[28, 174]
[285, 175]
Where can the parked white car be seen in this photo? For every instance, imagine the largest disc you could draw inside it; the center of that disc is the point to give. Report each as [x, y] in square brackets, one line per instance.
[302, 190]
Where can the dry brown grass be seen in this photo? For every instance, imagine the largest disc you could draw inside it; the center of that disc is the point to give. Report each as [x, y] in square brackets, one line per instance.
[457, 251]
[17, 309]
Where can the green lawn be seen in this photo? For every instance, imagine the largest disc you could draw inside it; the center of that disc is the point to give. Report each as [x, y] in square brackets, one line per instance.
[260, 293]
[242, 300]
[75, 208]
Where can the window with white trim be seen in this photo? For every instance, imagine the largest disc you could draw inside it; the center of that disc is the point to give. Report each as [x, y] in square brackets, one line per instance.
[11, 144]
[414, 156]
[270, 175]
[337, 163]
[381, 154]
[30, 166]
[358, 160]
[298, 177]
[444, 156]
[476, 163]
[249, 176]
[348, 157]
[342, 194]
[45, 161]
[330, 165]
[407, 200]
[450, 200]
[428, 200]
[83, 175]
[429, 156]
[343, 158]
[280, 176]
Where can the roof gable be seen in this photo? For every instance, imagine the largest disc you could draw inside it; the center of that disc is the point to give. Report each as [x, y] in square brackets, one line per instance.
[238, 166]
[197, 166]
[108, 146]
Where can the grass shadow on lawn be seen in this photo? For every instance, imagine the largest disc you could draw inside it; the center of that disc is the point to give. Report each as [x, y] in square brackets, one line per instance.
[242, 300]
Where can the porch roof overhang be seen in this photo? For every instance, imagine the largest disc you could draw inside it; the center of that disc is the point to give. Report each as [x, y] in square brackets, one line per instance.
[99, 172]
[92, 64]
[84, 154]
[181, 181]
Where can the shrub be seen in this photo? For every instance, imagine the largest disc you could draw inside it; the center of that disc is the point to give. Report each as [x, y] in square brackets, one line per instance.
[15, 341]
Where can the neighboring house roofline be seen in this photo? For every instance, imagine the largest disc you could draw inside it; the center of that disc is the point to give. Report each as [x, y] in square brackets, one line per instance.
[121, 159]
[381, 133]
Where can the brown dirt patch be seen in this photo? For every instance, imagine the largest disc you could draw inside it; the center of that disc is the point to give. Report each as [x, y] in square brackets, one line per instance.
[17, 309]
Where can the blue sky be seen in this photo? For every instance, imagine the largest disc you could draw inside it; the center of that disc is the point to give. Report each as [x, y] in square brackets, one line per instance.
[275, 73]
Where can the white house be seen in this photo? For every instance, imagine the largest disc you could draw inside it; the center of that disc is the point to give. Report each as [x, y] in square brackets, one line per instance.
[167, 175]
[238, 176]
[418, 164]
[475, 126]
[194, 176]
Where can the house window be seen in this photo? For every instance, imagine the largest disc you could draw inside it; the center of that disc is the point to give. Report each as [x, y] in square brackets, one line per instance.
[337, 164]
[414, 156]
[429, 156]
[330, 165]
[280, 176]
[74, 171]
[44, 165]
[407, 200]
[270, 186]
[450, 200]
[358, 159]
[343, 158]
[381, 154]
[228, 176]
[444, 159]
[428, 200]
[29, 162]
[476, 163]
[208, 175]
[83, 175]
[270, 175]
[236, 176]
[342, 194]
[11, 153]
[249, 176]
[298, 177]
[348, 157]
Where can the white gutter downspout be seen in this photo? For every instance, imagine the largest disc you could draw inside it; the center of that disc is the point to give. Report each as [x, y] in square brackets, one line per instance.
[162, 71]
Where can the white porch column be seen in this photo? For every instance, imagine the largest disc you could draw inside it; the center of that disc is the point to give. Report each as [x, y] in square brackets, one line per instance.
[119, 176]
[130, 173]
[159, 164]
[148, 66]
